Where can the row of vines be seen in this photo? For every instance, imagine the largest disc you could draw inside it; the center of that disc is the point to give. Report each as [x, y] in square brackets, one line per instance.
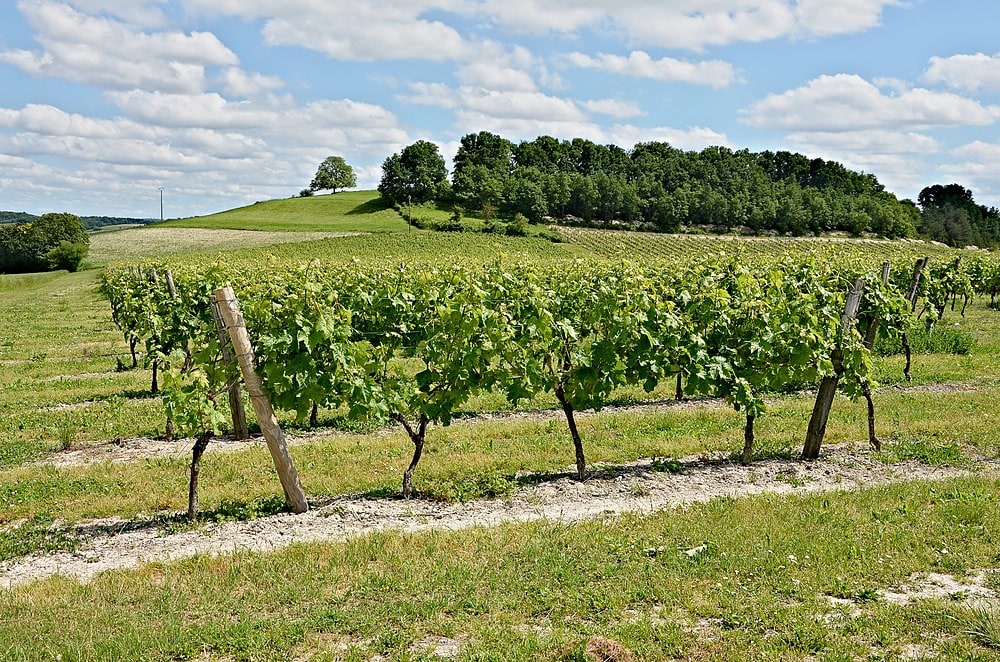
[412, 344]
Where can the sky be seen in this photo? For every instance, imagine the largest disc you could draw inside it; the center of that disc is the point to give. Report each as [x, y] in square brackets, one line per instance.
[108, 105]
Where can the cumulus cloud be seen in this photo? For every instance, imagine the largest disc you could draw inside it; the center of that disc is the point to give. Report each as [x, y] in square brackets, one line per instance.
[965, 72]
[109, 53]
[639, 64]
[613, 108]
[690, 24]
[849, 103]
[143, 13]
[374, 30]
[240, 83]
[900, 159]
[976, 167]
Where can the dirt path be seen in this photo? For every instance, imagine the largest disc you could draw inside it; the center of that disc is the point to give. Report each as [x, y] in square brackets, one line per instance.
[634, 488]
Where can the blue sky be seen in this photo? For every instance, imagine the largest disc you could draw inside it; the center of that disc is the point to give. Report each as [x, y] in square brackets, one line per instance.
[226, 102]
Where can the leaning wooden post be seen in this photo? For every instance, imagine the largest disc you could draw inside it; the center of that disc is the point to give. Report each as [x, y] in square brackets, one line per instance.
[828, 387]
[229, 308]
[239, 415]
[866, 387]
[911, 296]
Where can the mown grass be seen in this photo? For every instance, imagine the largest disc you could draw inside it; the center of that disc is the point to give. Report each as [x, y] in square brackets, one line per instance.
[346, 211]
[759, 590]
[473, 459]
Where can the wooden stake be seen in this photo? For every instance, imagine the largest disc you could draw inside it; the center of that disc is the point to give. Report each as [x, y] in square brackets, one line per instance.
[828, 387]
[866, 388]
[169, 433]
[236, 409]
[911, 296]
[229, 308]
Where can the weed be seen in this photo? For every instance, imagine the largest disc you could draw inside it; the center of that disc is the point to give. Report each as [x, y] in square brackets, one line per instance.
[667, 465]
[66, 432]
[903, 447]
[982, 624]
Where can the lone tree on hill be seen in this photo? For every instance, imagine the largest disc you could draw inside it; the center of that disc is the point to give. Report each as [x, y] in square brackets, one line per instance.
[333, 173]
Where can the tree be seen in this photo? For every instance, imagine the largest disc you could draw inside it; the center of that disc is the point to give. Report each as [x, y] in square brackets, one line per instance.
[25, 247]
[417, 174]
[333, 173]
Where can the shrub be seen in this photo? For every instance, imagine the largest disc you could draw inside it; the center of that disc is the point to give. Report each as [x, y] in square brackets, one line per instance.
[518, 226]
[67, 255]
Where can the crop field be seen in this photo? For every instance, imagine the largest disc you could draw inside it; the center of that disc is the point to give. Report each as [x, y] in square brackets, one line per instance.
[671, 548]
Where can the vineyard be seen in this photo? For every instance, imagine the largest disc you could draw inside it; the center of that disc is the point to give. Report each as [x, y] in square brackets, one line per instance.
[517, 391]
[414, 344]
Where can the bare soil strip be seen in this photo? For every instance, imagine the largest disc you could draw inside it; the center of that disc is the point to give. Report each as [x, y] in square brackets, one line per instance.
[633, 488]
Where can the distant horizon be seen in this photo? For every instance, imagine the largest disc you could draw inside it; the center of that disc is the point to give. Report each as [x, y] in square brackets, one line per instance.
[102, 103]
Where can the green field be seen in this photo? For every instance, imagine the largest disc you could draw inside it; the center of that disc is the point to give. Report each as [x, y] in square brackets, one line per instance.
[799, 576]
[347, 211]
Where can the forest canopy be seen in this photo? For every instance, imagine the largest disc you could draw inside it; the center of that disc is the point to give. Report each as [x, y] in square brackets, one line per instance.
[653, 186]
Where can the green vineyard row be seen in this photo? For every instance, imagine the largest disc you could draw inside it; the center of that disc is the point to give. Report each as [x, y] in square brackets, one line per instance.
[412, 344]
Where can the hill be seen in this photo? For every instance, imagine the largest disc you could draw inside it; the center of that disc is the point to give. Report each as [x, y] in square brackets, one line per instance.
[347, 211]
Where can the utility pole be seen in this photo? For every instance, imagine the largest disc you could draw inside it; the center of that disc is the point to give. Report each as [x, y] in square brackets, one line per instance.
[161, 204]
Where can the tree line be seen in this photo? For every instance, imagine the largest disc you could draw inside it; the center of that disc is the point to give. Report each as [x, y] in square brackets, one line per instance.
[655, 186]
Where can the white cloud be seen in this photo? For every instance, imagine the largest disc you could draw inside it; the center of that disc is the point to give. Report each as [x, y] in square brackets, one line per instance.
[830, 17]
[639, 64]
[614, 108]
[694, 138]
[900, 159]
[365, 31]
[976, 169]
[850, 103]
[143, 13]
[109, 53]
[239, 83]
[691, 24]
[965, 72]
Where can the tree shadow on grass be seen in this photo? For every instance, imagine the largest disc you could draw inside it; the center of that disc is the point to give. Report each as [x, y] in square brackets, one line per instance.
[369, 207]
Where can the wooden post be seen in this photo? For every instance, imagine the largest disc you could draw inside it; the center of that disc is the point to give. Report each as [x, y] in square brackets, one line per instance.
[866, 388]
[229, 308]
[169, 433]
[828, 387]
[911, 296]
[170, 284]
[239, 414]
[911, 292]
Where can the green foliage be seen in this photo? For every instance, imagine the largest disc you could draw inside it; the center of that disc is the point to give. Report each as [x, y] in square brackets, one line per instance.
[67, 255]
[25, 247]
[415, 343]
[414, 176]
[333, 173]
[951, 215]
[655, 186]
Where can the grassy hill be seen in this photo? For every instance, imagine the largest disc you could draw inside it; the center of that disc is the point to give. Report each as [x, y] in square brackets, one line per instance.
[347, 211]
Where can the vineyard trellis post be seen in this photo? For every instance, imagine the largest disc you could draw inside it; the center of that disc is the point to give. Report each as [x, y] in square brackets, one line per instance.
[911, 296]
[172, 289]
[237, 412]
[828, 387]
[866, 387]
[229, 308]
